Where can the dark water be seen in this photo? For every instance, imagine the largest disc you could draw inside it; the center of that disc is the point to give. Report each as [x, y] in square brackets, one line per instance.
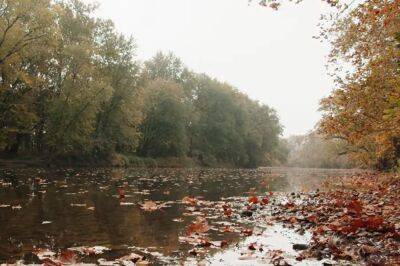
[59, 209]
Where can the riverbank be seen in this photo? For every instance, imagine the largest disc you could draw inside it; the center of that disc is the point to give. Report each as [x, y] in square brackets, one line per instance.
[115, 160]
[355, 219]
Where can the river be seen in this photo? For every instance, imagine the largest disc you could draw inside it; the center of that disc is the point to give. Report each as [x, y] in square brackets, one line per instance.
[57, 209]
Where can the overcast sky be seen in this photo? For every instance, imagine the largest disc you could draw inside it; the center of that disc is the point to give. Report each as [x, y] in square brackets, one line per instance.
[269, 55]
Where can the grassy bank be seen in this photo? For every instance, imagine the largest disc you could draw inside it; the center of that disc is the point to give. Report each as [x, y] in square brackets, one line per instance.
[115, 160]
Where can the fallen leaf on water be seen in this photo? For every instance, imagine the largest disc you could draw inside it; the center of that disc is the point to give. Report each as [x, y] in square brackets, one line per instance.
[247, 232]
[44, 253]
[200, 225]
[253, 199]
[189, 200]
[121, 193]
[252, 246]
[133, 257]
[151, 206]
[67, 257]
[265, 200]
[51, 262]
[228, 212]
[192, 240]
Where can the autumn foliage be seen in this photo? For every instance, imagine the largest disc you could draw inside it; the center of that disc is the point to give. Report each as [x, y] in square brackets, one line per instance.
[364, 109]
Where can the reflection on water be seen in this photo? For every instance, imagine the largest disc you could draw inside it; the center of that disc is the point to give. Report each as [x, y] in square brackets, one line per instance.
[58, 209]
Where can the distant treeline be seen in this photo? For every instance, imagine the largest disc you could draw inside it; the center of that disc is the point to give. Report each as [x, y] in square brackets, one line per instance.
[71, 88]
[315, 151]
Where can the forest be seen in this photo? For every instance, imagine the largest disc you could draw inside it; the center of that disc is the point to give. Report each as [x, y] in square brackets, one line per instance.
[72, 90]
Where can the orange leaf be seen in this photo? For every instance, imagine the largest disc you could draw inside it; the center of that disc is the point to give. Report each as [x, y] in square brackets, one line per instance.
[198, 226]
[253, 200]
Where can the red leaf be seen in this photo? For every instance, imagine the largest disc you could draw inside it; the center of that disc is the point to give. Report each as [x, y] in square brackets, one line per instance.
[312, 218]
[50, 262]
[247, 232]
[373, 222]
[67, 257]
[252, 247]
[357, 223]
[354, 206]
[228, 212]
[265, 200]
[121, 193]
[224, 243]
[253, 200]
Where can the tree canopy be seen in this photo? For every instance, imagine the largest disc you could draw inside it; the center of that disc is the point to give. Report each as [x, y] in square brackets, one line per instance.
[364, 110]
[71, 87]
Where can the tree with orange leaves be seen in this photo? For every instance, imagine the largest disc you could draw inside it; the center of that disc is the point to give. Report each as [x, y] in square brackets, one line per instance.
[364, 110]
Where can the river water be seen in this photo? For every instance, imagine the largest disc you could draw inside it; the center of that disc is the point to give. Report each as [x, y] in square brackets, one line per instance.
[57, 209]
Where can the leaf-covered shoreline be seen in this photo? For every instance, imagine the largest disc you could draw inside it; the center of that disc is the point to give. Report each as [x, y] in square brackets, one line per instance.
[356, 219]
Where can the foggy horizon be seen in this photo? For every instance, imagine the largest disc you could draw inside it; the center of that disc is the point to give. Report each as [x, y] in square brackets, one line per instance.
[254, 49]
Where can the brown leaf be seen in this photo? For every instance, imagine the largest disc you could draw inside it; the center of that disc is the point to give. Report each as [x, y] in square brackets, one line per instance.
[189, 201]
[198, 226]
[67, 257]
[151, 206]
[247, 232]
[354, 207]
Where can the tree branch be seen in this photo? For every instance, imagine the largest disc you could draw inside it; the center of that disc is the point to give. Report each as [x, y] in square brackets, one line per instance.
[16, 49]
[9, 26]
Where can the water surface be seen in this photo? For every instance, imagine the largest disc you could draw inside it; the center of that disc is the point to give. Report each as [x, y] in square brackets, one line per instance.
[62, 208]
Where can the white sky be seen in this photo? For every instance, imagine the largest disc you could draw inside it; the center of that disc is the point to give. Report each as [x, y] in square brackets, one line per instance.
[270, 55]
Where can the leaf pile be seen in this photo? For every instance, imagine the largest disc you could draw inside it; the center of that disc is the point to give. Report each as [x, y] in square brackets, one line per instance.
[359, 220]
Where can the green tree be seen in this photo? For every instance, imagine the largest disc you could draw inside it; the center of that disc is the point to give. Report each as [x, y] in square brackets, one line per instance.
[163, 131]
[25, 35]
[117, 122]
